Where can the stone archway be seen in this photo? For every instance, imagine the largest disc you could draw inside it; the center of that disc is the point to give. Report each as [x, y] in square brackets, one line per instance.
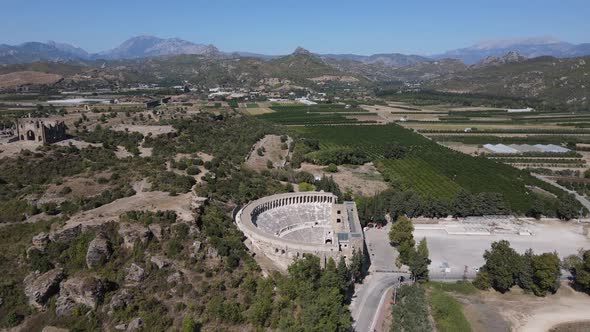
[30, 135]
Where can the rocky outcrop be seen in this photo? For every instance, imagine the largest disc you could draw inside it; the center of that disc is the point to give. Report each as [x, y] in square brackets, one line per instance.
[135, 273]
[175, 277]
[133, 233]
[99, 251]
[158, 231]
[212, 252]
[160, 261]
[66, 235]
[40, 241]
[135, 324]
[510, 57]
[40, 287]
[121, 327]
[195, 248]
[88, 291]
[119, 300]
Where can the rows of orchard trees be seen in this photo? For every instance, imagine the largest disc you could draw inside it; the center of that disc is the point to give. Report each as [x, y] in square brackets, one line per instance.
[397, 203]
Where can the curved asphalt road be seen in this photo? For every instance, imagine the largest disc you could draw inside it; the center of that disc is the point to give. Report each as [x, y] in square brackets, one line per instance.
[368, 297]
[579, 197]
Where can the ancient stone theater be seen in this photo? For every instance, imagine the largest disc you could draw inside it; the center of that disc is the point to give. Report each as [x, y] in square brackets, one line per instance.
[286, 226]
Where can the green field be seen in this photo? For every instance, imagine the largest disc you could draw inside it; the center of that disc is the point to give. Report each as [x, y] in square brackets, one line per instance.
[428, 168]
[251, 105]
[416, 174]
[312, 114]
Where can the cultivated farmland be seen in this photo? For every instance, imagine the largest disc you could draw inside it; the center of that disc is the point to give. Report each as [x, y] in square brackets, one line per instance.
[314, 114]
[428, 168]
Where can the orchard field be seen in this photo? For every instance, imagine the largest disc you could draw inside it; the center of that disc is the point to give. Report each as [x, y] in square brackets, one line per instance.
[313, 114]
[428, 168]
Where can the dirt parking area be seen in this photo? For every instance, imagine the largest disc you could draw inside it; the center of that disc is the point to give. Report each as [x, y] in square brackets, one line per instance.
[361, 180]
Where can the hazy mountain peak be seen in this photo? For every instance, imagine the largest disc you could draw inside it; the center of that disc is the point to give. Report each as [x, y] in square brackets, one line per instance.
[301, 51]
[68, 48]
[148, 46]
[504, 43]
[509, 57]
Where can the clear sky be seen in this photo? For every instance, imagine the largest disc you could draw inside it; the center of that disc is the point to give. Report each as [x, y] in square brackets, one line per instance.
[278, 26]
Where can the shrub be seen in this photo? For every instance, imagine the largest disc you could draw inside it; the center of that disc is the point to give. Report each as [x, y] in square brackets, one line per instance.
[332, 168]
[482, 281]
[65, 190]
[39, 261]
[304, 186]
[193, 170]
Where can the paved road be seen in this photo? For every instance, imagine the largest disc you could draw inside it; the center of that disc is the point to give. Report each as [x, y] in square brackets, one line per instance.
[579, 197]
[368, 295]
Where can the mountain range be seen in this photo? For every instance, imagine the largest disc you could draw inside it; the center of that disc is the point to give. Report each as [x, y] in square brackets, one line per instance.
[150, 46]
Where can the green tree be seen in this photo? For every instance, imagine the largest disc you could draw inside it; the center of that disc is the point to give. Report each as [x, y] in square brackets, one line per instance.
[400, 235]
[401, 232]
[462, 205]
[419, 262]
[568, 207]
[332, 168]
[482, 280]
[357, 266]
[581, 272]
[394, 151]
[343, 274]
[525, 276]
[503, 265]
[412, 204]
[546, 273]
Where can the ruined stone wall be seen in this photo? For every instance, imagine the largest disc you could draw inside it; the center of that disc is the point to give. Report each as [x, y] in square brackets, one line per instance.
[40, 131]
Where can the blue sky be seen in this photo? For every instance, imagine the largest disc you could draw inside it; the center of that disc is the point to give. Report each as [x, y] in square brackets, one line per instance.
[278, 26]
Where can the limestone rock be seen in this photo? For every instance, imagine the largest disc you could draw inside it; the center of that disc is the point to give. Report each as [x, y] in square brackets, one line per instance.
[175, 277]
[99, 251]
[157, 230]
[133, 233]
[121, 327]
[40, 240]
[64, 306]
[40, 287]
[66, 235]
[88, 291]
[212, 252]
[160, 261]
[195, 248]
[135, 324]
[120, 300]
[135, 273]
